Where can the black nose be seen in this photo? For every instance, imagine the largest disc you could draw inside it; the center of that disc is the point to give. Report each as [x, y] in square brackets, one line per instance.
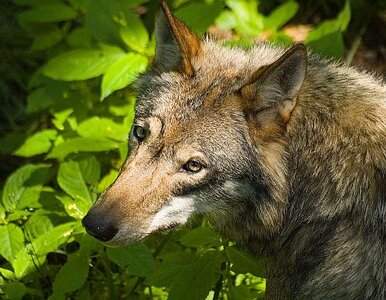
[99, 226]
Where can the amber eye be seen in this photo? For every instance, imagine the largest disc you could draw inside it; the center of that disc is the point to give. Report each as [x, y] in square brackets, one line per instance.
[140, 132]
[193, 166]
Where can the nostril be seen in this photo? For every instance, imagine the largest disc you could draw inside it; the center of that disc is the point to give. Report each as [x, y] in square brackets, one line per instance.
[99, 227]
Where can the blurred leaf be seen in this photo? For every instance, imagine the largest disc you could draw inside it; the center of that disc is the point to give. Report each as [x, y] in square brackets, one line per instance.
[81, 64]
[80, 38]
[71, 276]
[14, 187]
[199, 16]
[331, 45]
[281, 15]
[38, 143]
[200, 273]
[244, 263]
[226, 20]
[7, 274]
[123, 72]
[54, 12]
[82, 144]
[201, 236]
[33, 255]
[102, 128]
[134, 33]
[15, 290]
[39, 100]
[136, 258]
[241, 292]
[35, 2]
[331, 27]
[71, 180]
[11, 241]
[249, 21]
[47, 39]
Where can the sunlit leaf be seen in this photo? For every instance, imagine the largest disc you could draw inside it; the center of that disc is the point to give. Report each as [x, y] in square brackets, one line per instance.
[15, 185]
[81, 64]
[281, 15]
[134, 33]
[103, 128]
[38, 143]
[11, 241]
[123, 72]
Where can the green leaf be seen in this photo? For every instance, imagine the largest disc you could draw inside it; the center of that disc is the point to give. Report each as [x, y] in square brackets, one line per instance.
[241, 292]
[103, 128]
[7, 274]
[330, 45]
[71, 180]
[76, 209]
[71, 276]
[249, 21]
[199, 16]
[11, 241]
[80, 38]
[33, 255]
[123, 72]
[81, 64]
[54, 12]
[90, 168]
[188, 276]
[244, 263]
[50, 37]
[36, 144]
[107, 180]
[134, 33]
[226, 20]
[82, 144]
[201, 236]
[330, 27]
[38, 224]
[15, 185]
[136, 258]
[15, 290]
[281, 15]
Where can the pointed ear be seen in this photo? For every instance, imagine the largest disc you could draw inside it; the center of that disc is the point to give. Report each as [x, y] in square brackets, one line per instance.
[275, 87]
[176, 44]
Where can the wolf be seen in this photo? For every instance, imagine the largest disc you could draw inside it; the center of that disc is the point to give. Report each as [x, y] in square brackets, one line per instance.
[284, 151]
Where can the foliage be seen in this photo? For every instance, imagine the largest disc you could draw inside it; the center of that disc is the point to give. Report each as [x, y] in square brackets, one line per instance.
[71, 139]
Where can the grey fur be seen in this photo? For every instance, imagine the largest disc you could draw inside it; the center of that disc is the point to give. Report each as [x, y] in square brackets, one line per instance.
[309, 194]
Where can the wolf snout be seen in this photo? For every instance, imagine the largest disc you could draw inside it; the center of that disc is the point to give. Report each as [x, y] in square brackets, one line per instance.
[99, 226]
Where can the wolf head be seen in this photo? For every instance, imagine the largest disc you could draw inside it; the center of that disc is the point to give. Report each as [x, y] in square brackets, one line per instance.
[209, 137]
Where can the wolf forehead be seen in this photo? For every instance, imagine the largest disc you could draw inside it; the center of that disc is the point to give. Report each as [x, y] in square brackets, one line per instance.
[219, 71]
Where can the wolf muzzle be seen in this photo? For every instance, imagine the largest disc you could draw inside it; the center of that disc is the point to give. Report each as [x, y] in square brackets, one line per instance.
[99, 226]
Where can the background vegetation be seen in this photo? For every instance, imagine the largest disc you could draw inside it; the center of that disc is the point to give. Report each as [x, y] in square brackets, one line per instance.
[66, 70]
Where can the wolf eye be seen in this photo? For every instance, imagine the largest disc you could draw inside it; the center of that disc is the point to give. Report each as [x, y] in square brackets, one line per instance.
[140, 132]
[193, 166]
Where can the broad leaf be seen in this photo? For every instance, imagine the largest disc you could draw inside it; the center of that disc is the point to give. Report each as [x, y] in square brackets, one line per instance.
[81, 64]
[82, 144]
[11, 241]
[281, 15]
[36, 144]
[71, 180]
[15, 290]
[15, 185]
[134, 33]
[244, 263]
[76, 209]
[199, 16]
[33, 255]
[103, 128]
[200, 273]
[136, 258]
[90, 168]
[201, 236]
[123, 72]
[54, 12]
[71, 276]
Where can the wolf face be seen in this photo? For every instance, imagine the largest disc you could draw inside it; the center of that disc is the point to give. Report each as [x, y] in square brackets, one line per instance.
[208, 137]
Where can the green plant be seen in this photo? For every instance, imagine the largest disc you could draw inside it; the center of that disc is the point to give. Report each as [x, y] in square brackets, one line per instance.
[80, 106]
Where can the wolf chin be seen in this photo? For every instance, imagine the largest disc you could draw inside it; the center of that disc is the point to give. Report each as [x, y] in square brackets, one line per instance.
[284, 151]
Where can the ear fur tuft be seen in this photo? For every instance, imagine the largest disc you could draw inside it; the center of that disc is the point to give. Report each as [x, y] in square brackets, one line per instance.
[176, 44]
